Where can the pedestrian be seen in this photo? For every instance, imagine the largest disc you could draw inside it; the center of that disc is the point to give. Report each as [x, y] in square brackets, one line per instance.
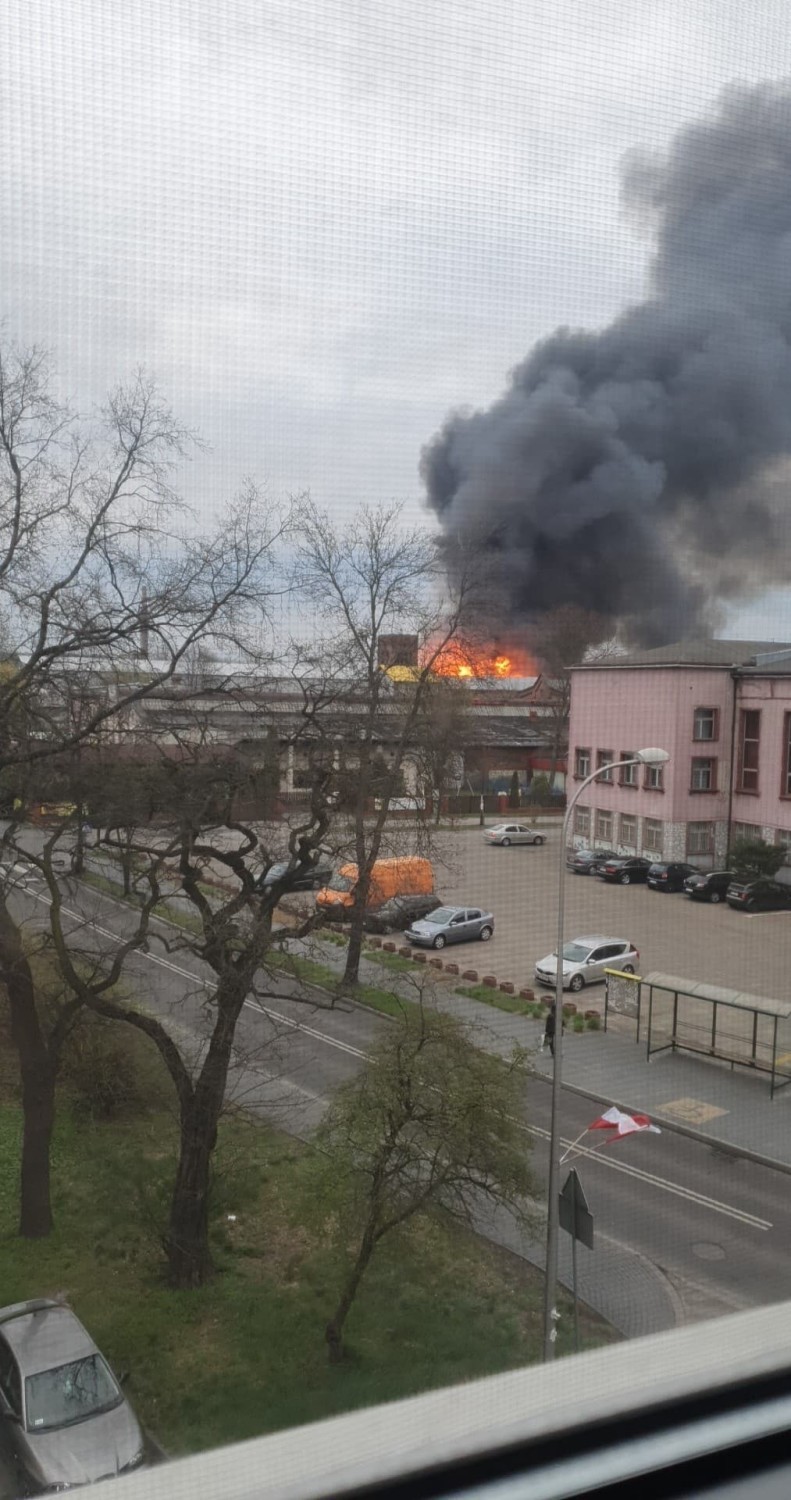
[549, 1029]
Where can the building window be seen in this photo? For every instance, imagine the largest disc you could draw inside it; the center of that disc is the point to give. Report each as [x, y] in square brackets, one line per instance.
[652, 836]
[747, 831]
[700, 838]
[629, 774]
[652, 780]
[783, 837]
[605, 758]
[749, 742]
[705, 724]
[704, 775]
[604, 827]
[582, 821]
[629, 830]
[582, 764]
[785, 787]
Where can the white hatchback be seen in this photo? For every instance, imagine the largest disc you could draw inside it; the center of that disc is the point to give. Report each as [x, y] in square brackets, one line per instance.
[585, 960]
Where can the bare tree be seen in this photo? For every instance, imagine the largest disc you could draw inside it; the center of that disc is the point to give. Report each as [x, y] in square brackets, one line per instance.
[106, 584]
[431, 1122]
[374, 578]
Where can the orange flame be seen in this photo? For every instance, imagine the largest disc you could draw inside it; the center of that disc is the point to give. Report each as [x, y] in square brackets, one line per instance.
[458, 660]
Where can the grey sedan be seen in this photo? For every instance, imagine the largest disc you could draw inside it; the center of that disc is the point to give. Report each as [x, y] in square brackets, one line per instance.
[64, 1419]
[451, 924]
[512, 833]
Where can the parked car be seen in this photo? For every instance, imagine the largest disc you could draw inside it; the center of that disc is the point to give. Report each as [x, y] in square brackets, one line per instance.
[399, 912]
[513, 833]
[588, 861]
[585, 960]
[451, 924]
[708, 885]
[64, 1419]
[759, 895]
[309, 878]
[669, 877]
[625, 870]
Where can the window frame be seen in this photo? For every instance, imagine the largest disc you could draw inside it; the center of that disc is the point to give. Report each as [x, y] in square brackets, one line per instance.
[744, 770]
[622, 838]
[654, 779]
[581, 751]
[602, 759]
[709, 850]
[785, 757]
[713, 764]
[606, 838]
[706, 739]
[629, 776]
[582, 821]
[649, 848]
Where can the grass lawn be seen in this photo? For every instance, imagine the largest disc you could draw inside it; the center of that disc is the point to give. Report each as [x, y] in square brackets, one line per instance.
[245, 1355]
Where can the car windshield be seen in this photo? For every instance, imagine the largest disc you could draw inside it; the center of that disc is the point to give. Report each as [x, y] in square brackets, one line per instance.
[576, 953]
[341, 883]
[69, 1393]
[442, 915]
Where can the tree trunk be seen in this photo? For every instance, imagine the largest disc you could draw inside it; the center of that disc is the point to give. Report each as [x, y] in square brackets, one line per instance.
[354, 951]
[188, 1253]
[187, 1244]
[78, 857]
[333, 1333]
[38, 1082]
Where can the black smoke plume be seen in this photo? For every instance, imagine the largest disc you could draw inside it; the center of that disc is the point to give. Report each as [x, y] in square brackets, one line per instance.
[642, 471]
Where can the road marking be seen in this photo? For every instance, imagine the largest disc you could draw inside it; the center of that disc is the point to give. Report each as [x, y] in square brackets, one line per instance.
[691, 1196]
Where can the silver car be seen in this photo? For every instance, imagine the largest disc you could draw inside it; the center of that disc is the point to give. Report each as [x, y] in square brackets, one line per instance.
[585, 960]
[451, 924]
[512, 833]
[64, 1419]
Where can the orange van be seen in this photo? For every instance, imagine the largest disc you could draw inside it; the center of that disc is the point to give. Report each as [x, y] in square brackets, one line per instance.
[389, 877]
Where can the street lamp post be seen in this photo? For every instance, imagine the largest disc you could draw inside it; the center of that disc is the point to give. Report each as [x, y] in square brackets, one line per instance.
[649, 757]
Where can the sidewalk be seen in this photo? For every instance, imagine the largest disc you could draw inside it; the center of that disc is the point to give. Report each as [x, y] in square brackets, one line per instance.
[680, 1091]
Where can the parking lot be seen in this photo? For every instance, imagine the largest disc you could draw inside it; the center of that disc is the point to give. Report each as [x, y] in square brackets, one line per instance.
[674, 934]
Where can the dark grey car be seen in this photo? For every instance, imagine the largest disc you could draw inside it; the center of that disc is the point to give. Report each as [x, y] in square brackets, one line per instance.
[64, 1419]
[451, 924]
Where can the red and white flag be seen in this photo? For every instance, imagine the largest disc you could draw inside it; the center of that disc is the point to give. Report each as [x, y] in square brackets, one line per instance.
[623, 1124]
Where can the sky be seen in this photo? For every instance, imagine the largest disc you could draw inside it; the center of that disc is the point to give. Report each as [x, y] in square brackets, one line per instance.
[322, 226]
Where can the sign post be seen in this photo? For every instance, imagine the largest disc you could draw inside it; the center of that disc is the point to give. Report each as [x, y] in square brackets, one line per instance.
[575, 1217]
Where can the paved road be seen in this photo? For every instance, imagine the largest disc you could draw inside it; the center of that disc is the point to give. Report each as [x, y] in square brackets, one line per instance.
[684, 1230]
[672, 933]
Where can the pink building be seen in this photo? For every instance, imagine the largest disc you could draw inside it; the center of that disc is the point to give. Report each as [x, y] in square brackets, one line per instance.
[722, 710]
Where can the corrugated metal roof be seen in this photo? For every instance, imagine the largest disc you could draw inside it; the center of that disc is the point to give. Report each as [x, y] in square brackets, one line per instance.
[765, 1005]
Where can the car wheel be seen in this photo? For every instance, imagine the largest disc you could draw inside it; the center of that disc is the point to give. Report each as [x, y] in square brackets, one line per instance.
[715, 898]
[626, 880]
[439, 942]
[627, 969]
[506, 843]
[486, 933]
[577, 984]
[539, 840]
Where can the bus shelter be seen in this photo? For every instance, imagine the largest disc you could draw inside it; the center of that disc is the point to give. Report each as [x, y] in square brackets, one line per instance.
[683, 1015]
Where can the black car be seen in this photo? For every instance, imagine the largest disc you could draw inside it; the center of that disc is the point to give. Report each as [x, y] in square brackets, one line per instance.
[669, 877]
[759, 895]
[400, 912]
[708, 885]
[588, 861]
[625, 870]
[305, 878]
